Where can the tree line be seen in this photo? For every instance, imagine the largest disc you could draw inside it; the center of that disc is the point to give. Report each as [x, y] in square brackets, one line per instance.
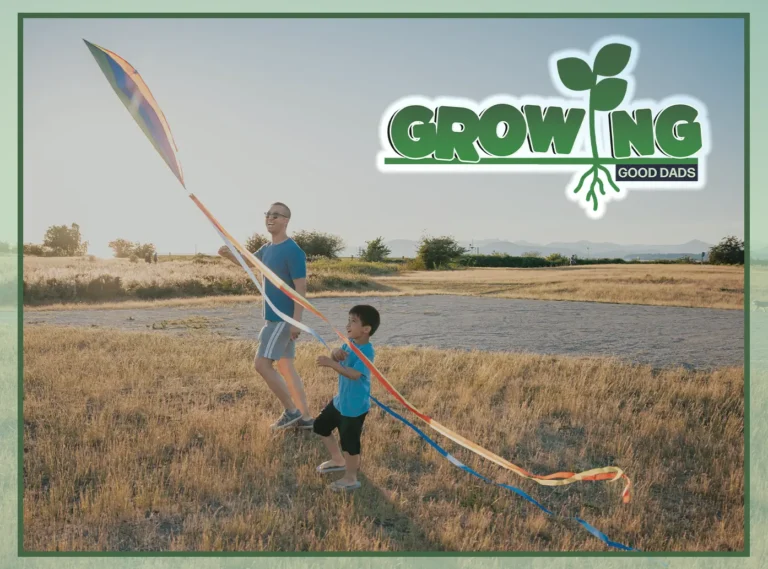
[432, 252]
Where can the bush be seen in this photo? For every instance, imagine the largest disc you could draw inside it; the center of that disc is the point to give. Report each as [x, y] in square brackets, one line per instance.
[502, 260]
[122, 248]
[33, 250]
[416, 264]
[376, 251]
[353, 267]
[730, 251]
[508, 261]
[439, 252]
[316, 244]
[256, 242]
[558, 260]
[340, 282]
[126, 249]
[65, 241]
[144, 251]
[201, 259]
[617, 261]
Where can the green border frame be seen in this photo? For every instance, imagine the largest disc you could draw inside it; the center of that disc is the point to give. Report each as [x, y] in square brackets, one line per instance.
[745, 16]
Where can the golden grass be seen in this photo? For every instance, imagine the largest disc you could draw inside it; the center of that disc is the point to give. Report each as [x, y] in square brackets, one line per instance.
[50, 280]
[155, 442]
[663, 285]
[705, 286]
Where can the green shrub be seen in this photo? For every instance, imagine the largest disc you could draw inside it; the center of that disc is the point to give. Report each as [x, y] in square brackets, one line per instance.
[439, 252]
[356, 267]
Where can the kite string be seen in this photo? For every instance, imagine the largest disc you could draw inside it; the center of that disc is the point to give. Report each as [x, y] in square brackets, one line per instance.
[607, 473]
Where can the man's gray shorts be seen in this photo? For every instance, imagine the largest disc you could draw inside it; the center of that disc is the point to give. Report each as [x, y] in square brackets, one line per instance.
[275, 341]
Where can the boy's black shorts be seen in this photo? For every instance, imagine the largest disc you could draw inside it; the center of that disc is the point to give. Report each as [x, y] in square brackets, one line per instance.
[350, 428]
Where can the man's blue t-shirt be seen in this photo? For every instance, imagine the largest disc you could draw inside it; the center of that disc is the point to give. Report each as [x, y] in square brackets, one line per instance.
[354, 396]
[287, 261]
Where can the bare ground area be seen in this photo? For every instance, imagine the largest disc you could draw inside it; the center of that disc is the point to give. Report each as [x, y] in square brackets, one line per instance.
[655, 335]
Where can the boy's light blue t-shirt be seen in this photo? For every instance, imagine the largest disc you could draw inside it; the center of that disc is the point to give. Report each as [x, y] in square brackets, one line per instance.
[289, 262]
[354, 396]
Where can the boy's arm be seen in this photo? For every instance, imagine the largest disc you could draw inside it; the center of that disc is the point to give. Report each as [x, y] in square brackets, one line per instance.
[347, 372]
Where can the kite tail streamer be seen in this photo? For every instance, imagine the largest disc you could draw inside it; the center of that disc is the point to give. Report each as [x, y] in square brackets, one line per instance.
[453, 460]
[135, 95]
[590, 528]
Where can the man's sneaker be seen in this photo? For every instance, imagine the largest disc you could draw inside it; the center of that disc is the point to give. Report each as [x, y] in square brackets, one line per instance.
[304, 423]
[287, 419]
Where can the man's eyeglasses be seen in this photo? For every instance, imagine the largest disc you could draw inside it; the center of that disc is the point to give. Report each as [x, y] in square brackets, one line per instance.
[274, 215]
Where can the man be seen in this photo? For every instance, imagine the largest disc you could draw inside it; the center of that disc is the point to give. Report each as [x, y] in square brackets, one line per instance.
[277, 339]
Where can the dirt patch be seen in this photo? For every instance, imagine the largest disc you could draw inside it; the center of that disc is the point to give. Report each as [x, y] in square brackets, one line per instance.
[660, 336]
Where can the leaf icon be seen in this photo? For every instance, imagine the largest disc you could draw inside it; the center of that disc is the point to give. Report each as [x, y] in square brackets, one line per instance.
[608, 94]
[575, 74]
[612, 59]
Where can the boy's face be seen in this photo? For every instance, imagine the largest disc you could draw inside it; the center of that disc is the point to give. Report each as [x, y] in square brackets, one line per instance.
[355, 328]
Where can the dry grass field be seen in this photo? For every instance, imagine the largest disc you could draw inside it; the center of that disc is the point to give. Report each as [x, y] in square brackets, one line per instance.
[59, 283]
[80, 279]
[142, 442]
[705, 286]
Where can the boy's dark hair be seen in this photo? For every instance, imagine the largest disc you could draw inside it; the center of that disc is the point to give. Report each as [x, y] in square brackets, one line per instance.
[368, 315]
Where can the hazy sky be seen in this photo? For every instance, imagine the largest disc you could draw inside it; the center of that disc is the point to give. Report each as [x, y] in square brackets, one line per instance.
[289, 110]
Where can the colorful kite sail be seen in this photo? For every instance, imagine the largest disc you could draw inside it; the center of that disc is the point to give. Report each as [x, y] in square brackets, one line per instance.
[135, 95]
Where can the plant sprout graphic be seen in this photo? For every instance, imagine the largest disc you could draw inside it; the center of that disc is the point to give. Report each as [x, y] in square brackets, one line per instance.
[605, 96]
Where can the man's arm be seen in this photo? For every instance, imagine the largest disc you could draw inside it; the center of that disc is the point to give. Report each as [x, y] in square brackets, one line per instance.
[300, 286]
[227, 254]
[297, 267]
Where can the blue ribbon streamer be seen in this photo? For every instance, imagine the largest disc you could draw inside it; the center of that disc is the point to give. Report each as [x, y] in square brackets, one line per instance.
[590, 528]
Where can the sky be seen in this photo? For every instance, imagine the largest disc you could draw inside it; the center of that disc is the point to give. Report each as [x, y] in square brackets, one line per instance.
[289, 110]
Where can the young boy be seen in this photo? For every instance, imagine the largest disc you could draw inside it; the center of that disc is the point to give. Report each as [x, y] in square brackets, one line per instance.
[347, 410]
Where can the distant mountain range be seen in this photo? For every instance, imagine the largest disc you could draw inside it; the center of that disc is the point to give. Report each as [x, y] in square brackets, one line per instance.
[583, 249]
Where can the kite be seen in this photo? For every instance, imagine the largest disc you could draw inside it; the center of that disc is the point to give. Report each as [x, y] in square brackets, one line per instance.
[137, 98]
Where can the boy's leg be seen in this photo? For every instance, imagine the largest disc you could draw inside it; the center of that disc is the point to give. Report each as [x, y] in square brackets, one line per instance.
[273, 339]
[324, 424]
[350, 433]
[352, 462]
[337, 459]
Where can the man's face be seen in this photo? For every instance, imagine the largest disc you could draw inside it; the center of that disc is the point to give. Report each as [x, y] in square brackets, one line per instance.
[276, 219]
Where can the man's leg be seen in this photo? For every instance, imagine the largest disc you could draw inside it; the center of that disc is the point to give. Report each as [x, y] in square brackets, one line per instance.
[295, 386]
[273, 339]
[276, 383]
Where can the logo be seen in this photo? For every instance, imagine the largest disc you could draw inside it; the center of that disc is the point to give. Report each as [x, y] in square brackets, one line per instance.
[595, 131]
